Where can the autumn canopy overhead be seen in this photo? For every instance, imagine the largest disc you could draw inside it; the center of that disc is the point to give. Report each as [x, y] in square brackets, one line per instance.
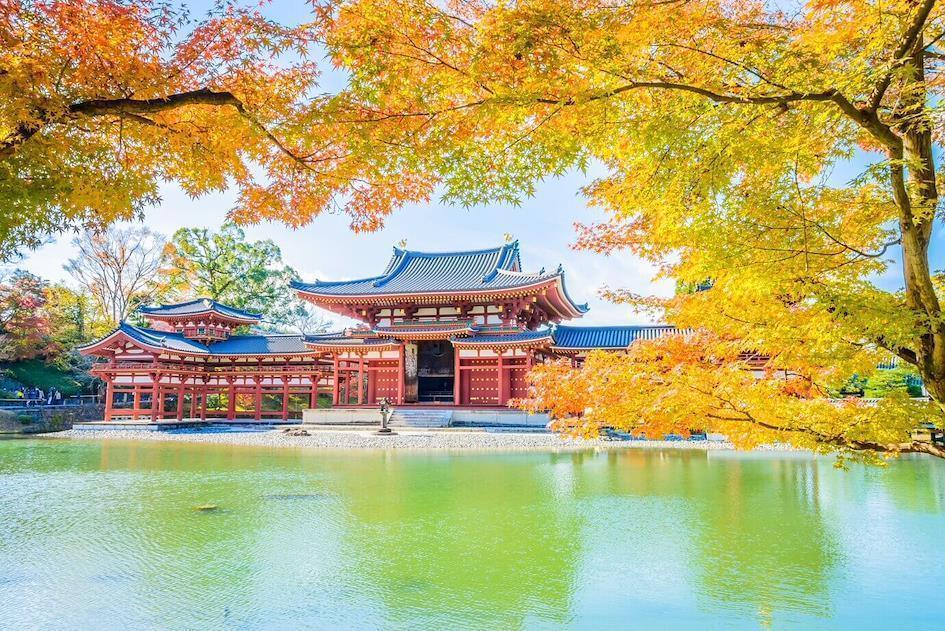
[719, 123]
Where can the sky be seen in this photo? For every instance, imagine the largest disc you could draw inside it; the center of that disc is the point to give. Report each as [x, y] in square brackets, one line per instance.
[327, 249]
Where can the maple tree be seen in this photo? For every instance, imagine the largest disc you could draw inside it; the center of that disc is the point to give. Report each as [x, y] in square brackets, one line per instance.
[720, 124]
[24, 322]
[101, 100]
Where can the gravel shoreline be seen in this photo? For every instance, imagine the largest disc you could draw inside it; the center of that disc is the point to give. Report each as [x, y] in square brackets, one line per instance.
[405, 439]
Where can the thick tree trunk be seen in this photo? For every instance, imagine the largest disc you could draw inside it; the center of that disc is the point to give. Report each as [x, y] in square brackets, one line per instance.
[917, 204]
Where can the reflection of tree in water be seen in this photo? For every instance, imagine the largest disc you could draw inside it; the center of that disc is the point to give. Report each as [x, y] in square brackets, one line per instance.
[472, 538]
[913, 483]
[763, 542]
[756, 540]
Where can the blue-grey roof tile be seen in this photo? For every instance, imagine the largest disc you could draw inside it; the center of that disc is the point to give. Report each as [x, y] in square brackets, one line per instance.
[415, 272]
[163, 339]
[259, 345]
[606, 337]
[523, 336]
[349, 341]
[235, 345]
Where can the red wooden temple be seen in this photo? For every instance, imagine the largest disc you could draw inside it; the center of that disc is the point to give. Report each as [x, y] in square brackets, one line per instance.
[441, 329]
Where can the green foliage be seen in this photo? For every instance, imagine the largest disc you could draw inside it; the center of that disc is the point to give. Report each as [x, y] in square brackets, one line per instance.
[226, 267]
[884, 383]
[36, 372]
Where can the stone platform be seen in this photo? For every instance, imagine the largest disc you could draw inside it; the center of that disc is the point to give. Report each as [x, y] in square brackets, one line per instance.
[425, 417]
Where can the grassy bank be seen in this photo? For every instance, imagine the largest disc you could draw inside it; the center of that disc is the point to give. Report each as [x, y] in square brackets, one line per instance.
[36, 372]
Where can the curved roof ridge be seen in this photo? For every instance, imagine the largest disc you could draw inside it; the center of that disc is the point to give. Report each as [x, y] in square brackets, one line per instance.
[146, 333]
[209, 304]
[522, 274]
[427, 253]
[399, 262]
[298, 284]
[581, 307]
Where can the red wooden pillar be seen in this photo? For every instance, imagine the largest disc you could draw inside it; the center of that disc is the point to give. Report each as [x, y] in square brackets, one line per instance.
[258, 398]
[346, 386]
[457, 381]
[314, 397]
[230, 399]
[285, 398]
[360, 379]
[180, 403]
[335, 380]
[203, 401]
[135, 402]
[372, 377]
[503, 384]
[400, 376]
[109, 399]
[155, 396]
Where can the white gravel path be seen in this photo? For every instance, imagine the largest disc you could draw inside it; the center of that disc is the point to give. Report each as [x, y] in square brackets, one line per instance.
[405, 439]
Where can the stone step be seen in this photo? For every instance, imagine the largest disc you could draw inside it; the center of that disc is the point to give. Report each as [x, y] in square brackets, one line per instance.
[420, 418]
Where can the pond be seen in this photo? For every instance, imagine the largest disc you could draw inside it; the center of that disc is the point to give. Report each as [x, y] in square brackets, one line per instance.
[97, 534]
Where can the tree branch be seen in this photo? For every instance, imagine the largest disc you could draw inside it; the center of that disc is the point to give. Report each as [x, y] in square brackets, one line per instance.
[835, 440]
[902, 53]
[137, 108]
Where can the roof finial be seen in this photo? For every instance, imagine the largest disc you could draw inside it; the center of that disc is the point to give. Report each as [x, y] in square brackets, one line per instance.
[402, 244]
[509, 237]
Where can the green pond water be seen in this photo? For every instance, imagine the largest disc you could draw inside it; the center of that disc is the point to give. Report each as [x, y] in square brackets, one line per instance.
[106, 535]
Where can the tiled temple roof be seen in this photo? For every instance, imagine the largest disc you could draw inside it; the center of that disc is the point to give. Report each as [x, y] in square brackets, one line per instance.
[406, 330]
[234, 345]
[606, 337]
[198, 306]
[508, 338]
[259, 345]
[157, 339]
[334, 342]
[560, 337]
[411, 272]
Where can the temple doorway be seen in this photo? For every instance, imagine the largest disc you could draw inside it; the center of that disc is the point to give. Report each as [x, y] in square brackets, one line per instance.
[435, 371]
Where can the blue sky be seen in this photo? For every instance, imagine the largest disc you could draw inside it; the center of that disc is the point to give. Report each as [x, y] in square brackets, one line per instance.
[327, 249]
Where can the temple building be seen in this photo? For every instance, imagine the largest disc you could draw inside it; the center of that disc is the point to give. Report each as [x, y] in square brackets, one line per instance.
[435, 329]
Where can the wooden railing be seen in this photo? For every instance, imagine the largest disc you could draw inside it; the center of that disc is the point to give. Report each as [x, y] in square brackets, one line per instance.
[204, 368]
[68, 402]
